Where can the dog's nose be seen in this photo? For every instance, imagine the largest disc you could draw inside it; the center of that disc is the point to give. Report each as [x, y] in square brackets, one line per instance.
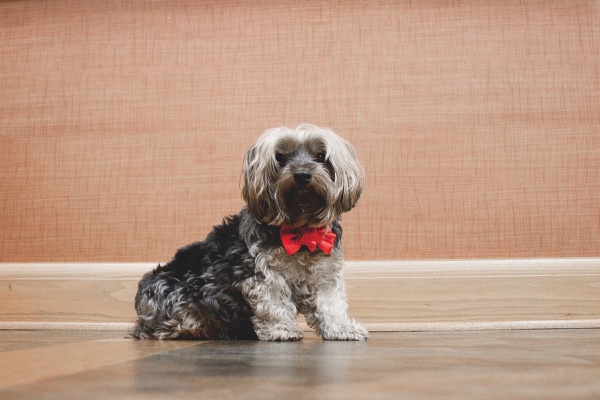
[302, 177]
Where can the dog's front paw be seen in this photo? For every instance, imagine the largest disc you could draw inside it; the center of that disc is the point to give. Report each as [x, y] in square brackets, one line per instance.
[350, 331]
[280, 333]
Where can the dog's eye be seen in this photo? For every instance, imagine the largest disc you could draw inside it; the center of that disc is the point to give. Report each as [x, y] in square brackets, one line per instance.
[320, 158]
[281, 159]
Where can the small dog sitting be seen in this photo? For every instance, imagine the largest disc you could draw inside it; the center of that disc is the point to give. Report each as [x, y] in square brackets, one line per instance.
[280, 256]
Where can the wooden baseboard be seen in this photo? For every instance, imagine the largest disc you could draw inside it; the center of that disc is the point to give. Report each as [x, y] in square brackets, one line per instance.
[385, 295]
[373, 327]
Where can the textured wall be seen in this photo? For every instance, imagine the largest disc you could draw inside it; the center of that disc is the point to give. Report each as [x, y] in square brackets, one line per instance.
[123, 123]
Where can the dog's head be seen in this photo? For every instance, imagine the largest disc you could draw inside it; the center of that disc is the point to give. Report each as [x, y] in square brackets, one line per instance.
[303, 176]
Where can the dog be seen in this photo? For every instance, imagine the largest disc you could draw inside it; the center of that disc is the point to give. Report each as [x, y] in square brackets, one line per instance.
[280, 256]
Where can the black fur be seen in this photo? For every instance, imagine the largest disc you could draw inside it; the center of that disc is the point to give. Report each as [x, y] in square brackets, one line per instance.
[203, 280]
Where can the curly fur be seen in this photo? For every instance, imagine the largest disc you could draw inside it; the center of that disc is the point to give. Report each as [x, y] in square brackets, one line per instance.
[239, 283]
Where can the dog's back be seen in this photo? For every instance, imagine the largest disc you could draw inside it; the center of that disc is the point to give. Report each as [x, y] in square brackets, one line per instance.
[195, 295]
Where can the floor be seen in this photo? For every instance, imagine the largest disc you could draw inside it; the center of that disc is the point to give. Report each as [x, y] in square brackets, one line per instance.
[528, 364]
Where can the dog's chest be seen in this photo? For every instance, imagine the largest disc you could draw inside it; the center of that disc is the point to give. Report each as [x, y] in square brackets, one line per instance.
[304, 270]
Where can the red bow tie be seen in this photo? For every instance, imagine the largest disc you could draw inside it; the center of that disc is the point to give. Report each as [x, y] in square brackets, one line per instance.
[294, 238]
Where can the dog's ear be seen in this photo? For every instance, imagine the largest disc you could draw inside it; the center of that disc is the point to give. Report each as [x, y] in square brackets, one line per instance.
[349, 176]
[255, 190]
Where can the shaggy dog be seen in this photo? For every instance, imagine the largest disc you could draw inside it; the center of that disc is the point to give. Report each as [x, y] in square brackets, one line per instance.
[280, 256]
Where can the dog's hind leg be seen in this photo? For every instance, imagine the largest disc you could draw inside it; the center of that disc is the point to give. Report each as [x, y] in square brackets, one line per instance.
[154, 302]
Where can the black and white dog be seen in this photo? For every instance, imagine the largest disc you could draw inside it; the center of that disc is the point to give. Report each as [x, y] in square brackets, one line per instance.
[280, 256]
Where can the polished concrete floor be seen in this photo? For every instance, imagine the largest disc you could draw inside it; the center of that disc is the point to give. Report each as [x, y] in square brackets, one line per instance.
[542, 364]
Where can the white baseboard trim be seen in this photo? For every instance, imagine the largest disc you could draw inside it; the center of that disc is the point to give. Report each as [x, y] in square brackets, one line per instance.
[373, 327]
[66, 326]
[518, 266]
[485, 326]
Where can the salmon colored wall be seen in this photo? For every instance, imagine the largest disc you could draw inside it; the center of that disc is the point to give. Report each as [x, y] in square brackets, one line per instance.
[123, 123]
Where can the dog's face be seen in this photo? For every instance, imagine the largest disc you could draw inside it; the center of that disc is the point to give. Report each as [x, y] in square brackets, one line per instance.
[307, 176]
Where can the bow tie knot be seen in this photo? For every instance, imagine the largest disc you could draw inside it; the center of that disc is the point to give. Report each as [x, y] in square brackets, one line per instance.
[294, 238]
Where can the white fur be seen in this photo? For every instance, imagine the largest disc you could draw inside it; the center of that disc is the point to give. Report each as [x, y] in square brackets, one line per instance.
[303, 283]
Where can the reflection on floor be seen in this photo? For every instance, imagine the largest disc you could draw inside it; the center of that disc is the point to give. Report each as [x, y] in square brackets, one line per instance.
[542, 364]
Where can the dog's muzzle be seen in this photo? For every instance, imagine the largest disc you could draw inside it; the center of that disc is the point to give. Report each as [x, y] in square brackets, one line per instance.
[302, 177]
